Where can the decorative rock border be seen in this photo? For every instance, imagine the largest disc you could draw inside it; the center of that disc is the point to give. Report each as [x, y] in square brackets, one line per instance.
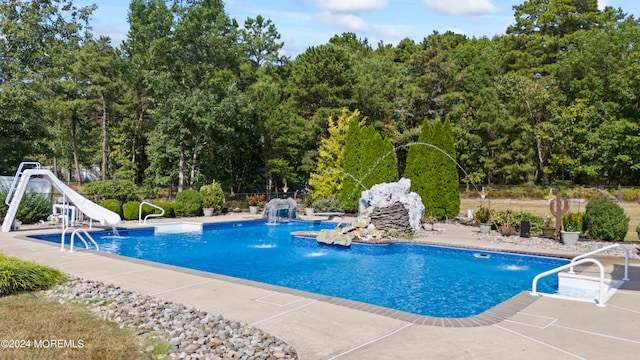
[193, 334]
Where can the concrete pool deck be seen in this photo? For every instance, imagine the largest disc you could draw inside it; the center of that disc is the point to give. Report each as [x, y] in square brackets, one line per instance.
[321, 329]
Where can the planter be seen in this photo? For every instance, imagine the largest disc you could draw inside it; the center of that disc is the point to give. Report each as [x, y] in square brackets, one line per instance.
[308, 211]
[569, 237]
[549, 232]
[253, 209]
[485, 228]
[207, 211]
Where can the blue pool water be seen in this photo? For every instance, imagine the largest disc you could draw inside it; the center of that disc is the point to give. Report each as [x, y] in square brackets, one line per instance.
[421, 279]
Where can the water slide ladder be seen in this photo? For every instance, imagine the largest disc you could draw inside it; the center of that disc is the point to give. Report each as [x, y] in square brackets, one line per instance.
[81, 234]
[16, 179]
[149, 215]
[583, 259]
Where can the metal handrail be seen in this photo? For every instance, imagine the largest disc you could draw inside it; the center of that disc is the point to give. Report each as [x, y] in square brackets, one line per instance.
[16, 178]
[82, 239]
[626, 258]
[149, 215]
[600, 301]
[64, 231]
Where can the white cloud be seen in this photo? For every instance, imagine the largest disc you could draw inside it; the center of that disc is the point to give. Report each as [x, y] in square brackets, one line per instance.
[603, 4]
[461, 7]
[350, 22]
[352, 5]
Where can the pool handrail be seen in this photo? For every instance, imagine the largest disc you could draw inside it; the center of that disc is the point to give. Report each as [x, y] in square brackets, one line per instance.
[626, 258]
[148, 215]
[600, 300]
[64, 231]
[76, 231]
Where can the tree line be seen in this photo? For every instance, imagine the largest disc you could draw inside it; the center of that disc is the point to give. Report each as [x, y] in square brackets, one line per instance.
[192, 95]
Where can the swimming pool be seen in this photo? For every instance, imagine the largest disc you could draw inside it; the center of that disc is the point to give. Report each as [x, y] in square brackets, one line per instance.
[421, 279]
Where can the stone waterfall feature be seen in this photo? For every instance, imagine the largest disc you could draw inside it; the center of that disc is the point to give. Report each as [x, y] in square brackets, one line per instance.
[280, 210]
[391, 205]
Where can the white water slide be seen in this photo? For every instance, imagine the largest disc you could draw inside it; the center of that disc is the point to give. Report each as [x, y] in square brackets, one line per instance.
[92, 210]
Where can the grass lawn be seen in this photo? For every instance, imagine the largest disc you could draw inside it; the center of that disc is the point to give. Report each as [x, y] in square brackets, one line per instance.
[37, 327]
[541, 207]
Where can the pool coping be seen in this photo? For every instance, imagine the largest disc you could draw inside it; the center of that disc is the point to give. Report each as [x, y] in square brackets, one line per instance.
[494, 315]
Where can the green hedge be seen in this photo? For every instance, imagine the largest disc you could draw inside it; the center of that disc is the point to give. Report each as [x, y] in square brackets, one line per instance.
[167, 207]
[113, 205]
[188, 203]
[17, 276]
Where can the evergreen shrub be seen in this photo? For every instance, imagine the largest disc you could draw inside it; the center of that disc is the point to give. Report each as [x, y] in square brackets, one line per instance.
[167, 206]
[130, 210]
[605, 220]
[188, 203]
[17, 276]
[113, 205]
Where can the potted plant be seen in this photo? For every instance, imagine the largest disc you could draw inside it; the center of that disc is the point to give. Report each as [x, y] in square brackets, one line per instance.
[572, 225]
[548, 230]
[255, 202]
[483, 217]
[212, 198]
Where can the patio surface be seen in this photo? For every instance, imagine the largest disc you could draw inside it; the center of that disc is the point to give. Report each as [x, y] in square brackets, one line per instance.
[322, 328]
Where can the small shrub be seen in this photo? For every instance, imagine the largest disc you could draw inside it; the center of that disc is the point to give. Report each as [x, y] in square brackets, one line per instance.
[130, 210]
[17, 276]
[122, 190]
[326, 204]
[212, 196]
[113, 205]
[605, 220]
[514, 220]
[167, 207]
[188, 203]
[33, 208]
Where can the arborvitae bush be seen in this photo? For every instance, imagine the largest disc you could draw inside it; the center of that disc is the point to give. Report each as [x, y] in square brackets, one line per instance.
[17, 276]
[351, 188]
[378, 160]
[167, 207]
[605, 220]
[188, 203]
[113, 205]
[122, 190]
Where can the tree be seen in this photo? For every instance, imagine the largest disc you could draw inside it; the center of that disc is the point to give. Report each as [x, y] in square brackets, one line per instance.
[328, 178]
[433, 171]
[352, 186]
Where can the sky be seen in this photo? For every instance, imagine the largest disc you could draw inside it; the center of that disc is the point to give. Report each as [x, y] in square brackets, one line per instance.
[305, 23]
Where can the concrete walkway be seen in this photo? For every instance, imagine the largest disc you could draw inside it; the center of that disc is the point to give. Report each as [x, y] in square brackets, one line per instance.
[548, 328]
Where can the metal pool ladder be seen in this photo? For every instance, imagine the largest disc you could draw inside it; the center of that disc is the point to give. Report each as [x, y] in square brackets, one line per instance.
[582, 259]
[79, 232]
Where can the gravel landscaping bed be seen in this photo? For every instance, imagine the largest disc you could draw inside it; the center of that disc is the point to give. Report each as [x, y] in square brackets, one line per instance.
[193, 334]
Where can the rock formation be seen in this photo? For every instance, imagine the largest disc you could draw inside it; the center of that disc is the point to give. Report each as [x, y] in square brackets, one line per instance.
[383, 206]
[280, 210]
